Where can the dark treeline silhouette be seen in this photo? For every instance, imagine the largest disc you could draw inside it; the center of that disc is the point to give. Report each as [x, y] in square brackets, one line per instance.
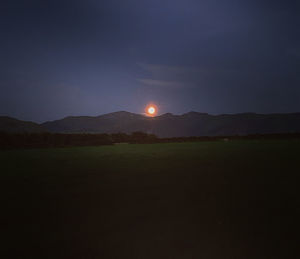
[234, 137]
[39, 140]
[36, 140]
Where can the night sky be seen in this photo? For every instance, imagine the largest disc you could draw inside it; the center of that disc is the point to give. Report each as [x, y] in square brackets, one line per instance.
[88, 57]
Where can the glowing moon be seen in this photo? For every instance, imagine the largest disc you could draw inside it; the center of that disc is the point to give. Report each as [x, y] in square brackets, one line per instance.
[151, 110]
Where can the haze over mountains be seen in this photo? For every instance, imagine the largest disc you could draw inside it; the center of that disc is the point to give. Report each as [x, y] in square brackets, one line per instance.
[166, 125]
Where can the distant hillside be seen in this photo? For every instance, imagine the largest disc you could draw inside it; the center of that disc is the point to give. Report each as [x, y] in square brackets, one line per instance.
[166, 125]
[8, 124]
[125, 122]
[189, 124]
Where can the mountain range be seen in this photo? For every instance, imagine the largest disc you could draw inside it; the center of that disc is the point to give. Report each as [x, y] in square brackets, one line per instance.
[166, 125]
[12, 125]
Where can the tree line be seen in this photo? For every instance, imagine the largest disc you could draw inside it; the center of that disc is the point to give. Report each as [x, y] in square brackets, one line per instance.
[35, 140]
[40, 140]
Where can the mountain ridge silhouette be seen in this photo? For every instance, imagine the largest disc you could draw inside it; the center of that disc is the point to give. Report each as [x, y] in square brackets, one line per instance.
[164, 125]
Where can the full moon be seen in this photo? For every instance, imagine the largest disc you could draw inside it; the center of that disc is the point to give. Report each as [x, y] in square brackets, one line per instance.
[151, 110]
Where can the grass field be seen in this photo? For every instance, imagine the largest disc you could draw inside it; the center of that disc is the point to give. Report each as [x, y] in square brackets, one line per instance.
[236, 199]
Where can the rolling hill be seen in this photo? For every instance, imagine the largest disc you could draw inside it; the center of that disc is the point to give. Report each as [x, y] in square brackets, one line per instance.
[166, 125]
[188, 124]
[8, 124]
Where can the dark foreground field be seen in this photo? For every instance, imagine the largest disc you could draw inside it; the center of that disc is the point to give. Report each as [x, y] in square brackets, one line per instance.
[236, 199]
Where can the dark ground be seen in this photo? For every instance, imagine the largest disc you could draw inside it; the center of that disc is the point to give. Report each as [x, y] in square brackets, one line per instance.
[236, 199]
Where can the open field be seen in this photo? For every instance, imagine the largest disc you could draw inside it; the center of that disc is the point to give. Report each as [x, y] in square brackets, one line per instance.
[236, 199]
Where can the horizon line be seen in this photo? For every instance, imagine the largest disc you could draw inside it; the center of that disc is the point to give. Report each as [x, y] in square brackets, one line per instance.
[145, 115]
